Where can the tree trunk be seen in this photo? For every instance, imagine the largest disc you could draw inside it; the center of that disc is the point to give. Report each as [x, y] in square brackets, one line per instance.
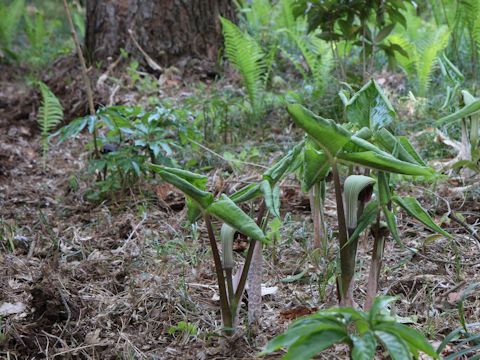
[169, 31]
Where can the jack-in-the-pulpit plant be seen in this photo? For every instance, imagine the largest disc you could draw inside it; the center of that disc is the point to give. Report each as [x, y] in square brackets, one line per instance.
[201, 203]
[365, 149]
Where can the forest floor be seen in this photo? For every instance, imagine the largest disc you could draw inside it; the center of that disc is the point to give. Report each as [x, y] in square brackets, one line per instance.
[116, 280]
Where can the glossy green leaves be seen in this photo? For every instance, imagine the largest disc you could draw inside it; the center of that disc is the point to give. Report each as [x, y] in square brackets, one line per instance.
[362, 331]
[339, 144]
[224, 208]
[370, 108]
[330, 136]
[315, 166]
[382, 162]
[188, 182]
[468, 110]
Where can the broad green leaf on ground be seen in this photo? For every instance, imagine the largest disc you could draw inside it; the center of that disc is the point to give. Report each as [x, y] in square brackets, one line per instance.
[381, 162]
[227, 211]
[396, 347]
[414, 209]
[415, 338]
[370, 108]
[293, 334]
[331, 137]
[364, 346]
[308, 346]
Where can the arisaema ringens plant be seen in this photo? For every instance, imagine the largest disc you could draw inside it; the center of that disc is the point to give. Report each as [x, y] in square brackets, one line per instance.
[369, 153]
[201, 203]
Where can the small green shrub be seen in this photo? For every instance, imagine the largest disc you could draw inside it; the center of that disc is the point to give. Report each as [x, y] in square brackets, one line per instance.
[130, 137]
[362, 332]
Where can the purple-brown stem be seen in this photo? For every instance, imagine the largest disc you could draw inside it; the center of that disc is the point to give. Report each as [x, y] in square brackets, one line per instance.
[225, 308]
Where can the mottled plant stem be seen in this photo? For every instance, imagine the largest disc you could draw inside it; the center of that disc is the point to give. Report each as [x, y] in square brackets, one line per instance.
[248, 260]
[316, 204]
[343, 285]
[225, 308]
[255, 285]
[376, 263]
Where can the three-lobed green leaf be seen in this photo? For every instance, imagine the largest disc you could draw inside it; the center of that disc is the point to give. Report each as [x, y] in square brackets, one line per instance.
[331, 137]
[224, 208]
[370, 108]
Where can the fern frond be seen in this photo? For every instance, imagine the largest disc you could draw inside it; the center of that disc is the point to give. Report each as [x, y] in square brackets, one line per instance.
[470, 9]
[50, 115]
[423, 42]
[248, 58]
[428, 50]
[316, 52]
[10, 18]
[406, 63]
[286, 19]
[36, 31]
[322, 62]
[256, 15]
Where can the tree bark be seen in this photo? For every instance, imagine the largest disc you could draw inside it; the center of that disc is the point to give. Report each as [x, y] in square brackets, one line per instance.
[169, 31]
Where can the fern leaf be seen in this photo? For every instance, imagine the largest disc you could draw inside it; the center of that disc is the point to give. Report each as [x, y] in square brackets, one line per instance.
[470, 10]
[10, 18]
[316, 53]
[50, 115]
[247, 57]
[428, 49]
[423, 42]
[286, 18]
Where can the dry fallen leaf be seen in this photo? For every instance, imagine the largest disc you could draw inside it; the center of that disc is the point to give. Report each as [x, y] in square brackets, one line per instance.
[9, 308]
[292, 314]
